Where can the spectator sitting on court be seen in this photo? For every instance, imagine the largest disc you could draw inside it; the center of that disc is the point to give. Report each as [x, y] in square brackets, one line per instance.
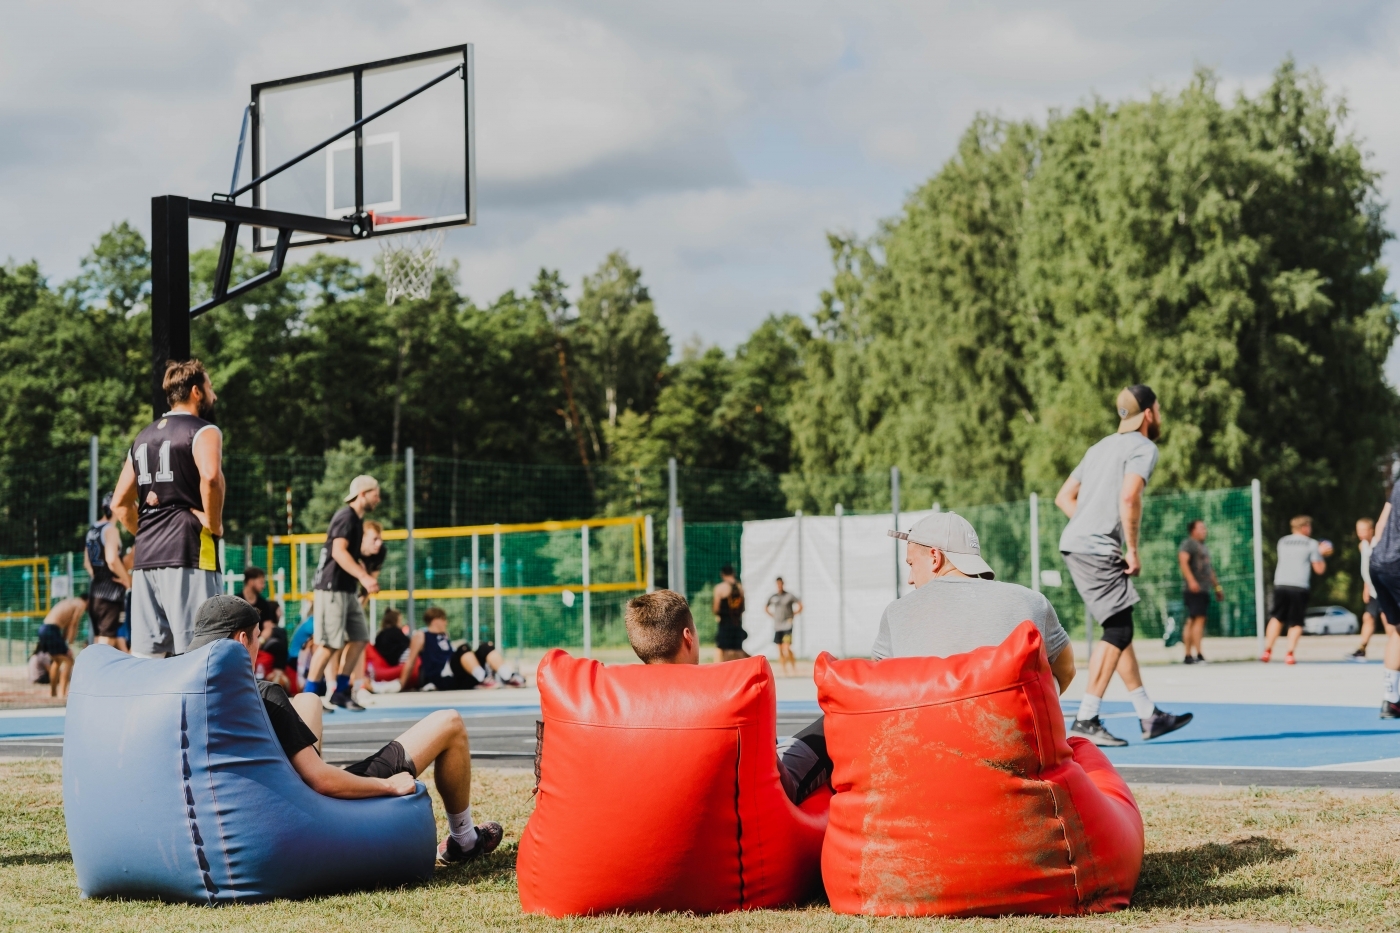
[392, 642]
[957, 606]
[439, 739]
[301, 647]
[446, 668]
[661, 630]
[384, 659]
[51, 643]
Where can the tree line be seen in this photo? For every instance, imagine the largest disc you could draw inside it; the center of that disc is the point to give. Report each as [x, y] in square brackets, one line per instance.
[1226, 252]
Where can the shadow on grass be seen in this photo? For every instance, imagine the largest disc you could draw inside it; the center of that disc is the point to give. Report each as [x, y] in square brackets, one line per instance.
[1191, 877]
[498, 866]
[34, 858]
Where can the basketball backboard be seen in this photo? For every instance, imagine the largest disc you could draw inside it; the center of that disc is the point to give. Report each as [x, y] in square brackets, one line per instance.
[412, 168]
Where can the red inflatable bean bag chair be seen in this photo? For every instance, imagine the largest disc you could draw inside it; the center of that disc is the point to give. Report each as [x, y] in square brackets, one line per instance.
[659, 790]
[957, 794]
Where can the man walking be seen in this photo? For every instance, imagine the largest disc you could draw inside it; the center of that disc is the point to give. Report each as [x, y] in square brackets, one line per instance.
[1299, 557]
[1199, 574]
[1103, 499]
[1385, 583]
[340, 629]
[171, 497]
[783, 608]
[102, 559]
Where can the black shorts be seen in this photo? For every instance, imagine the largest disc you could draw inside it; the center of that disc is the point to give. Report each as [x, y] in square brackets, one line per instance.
[730, 637]
[1373, 608]
[106, 615]
[388, 761]
[1197, 604]
[1290, 606]
[782, 638]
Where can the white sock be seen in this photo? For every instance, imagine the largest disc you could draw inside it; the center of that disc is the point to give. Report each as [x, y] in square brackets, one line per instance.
[504, 672]
[480, 674]
[1088, 707]
[1142, 705]
[1392, 686]
[461, 828]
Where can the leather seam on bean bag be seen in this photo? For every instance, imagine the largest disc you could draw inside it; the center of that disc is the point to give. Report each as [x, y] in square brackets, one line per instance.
[961, 698]
[738, 808]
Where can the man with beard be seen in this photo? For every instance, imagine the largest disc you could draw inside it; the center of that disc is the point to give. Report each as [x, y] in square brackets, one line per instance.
[171, 497]
[1103, 499]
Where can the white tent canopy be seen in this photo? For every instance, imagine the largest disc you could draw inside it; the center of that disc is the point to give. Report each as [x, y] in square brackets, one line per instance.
[868, 560]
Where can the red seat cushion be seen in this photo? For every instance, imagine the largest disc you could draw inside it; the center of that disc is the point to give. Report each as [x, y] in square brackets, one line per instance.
[659, 790]
[957, 793]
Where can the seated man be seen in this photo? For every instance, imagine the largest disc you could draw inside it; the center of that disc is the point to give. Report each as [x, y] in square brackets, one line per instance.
[448, 668]
[439, 740]
[956, 606]
[661, 630]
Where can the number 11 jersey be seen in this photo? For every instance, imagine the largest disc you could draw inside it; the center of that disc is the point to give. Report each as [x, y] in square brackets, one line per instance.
[167, 488]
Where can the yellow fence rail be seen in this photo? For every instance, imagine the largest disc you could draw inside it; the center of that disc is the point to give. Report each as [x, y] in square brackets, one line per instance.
[39, 588]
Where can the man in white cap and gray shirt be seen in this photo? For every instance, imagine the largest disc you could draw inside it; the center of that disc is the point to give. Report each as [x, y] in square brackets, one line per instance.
[1103, 499]
[957, 606]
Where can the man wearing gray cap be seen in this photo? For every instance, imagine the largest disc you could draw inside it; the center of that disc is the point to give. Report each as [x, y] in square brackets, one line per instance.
[1103, 499]
[957, 606]
[439, 739]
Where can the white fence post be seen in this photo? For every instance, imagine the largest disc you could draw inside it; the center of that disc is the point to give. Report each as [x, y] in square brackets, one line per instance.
[801, 588]
[894, 508]
[650, 541]
[840, 579]
[476, 585]
[1258, 509]
[408, 524]
[496, 582]
[587, 600]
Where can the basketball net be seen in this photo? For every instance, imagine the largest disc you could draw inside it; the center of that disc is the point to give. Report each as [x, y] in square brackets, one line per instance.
[409, 261]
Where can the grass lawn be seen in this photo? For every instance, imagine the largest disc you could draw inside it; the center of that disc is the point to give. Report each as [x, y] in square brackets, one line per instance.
[1245, 860]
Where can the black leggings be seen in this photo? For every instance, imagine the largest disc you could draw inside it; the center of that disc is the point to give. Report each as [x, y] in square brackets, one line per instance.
[1118, 628]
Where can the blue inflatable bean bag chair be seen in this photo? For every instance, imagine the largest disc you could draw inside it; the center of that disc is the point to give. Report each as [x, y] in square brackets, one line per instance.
[175, 787]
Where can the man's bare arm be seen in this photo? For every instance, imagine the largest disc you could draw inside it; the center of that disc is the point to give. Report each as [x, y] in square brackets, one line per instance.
[209, 457]
[1184, 560]
[1068, 497]
[334, 782]
[124, 507]
[112, 553]
[1063, 668]
[340, 553]
[415, 645]
[1130, 514]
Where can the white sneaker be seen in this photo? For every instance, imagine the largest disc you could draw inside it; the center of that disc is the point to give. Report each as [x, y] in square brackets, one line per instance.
[327, 705]
[387, 686]
[364, 697]
[427, 688]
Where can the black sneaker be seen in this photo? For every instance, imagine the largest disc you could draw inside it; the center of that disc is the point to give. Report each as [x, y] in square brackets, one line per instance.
[1200, 658]
[1390, 710]
[1189, 659]
[345, 701]
[1160, 723]
[488, 836]
[1094, 731]
[1358, 655]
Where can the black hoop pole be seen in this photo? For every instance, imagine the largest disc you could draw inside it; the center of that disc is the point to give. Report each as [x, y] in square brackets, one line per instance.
[170, 290]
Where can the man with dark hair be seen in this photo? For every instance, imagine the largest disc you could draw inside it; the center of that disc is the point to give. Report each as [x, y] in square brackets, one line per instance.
[729, 614]
[439, 739]
[254, 586]
[1371, 613]
[1103, 499]
[784, 608]
[445, 667]
[661, 630]
[341, 631]
[1299, 557]
[102, 559]
[171, 497]
[1199, 576]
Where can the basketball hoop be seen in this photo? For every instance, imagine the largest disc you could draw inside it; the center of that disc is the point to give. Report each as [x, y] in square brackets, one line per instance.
[409, 261]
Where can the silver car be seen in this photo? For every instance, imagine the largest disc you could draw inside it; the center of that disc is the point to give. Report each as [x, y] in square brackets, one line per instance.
[1330, 620]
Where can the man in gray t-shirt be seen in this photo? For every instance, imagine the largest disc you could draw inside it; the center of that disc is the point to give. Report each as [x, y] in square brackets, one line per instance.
[956, 606]
[1299, 557]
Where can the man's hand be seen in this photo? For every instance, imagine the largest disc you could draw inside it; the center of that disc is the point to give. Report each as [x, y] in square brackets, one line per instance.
[1325, 548]
[370, 584]
[401, 784]
[1193, 586]
[1219, 593]
[1134, 565]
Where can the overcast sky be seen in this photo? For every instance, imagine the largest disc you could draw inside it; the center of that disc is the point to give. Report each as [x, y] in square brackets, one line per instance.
[716, 143]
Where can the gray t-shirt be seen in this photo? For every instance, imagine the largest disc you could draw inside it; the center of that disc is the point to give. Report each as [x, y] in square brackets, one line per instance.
[1096, 527]
[955, 615]
[1296, 554]
[1198, 558]
[780, 604]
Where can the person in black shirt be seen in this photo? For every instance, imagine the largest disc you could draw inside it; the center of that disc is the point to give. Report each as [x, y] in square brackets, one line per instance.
[439, 739]
[102, 559]
[170, 495]
[341, 632]
[392, 641]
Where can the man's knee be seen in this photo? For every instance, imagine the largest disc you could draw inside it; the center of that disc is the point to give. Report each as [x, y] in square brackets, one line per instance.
[1118, 629]
[448, 723]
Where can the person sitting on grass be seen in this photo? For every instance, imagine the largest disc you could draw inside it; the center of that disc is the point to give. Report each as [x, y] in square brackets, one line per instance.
[448, 668]
[661, 630]
[439, 739]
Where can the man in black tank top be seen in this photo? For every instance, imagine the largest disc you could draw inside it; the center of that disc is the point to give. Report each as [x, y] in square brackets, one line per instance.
[729, 614]
[102, 558]
[171, 497]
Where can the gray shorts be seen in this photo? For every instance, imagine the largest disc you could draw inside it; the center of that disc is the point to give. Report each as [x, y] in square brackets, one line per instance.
[338, 619]
[1102, 584]
[163, 606]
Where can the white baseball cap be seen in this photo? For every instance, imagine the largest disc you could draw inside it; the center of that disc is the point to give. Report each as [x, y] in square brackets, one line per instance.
[362, 483]
[953, 535]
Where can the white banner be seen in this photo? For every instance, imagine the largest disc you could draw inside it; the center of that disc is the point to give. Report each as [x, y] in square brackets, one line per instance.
[868, 560]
